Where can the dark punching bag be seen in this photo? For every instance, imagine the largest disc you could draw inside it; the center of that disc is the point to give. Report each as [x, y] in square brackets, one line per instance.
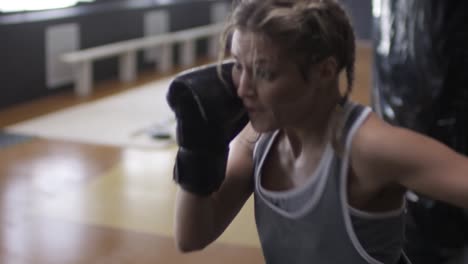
[420, 81]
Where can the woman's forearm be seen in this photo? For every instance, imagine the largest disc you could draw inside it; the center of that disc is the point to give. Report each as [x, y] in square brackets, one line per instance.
[194, 221]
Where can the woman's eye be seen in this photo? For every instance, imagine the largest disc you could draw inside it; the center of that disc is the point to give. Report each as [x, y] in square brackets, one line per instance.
[264, 74]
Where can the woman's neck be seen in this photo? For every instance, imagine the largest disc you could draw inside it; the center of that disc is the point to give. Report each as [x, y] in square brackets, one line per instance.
[314, 130]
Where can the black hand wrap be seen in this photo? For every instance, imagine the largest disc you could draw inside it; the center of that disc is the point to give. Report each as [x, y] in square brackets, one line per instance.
[209, 115]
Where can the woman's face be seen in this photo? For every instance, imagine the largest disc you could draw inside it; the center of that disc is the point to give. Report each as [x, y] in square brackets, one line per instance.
[270, 84]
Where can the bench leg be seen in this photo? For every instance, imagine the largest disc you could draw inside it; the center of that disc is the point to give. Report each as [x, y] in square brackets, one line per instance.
[188, 53]
[83, 78]
[165, 60]
[213, 46]
[127, 66]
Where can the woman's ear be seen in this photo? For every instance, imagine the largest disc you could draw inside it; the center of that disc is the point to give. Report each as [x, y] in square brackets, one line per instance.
[328, 69]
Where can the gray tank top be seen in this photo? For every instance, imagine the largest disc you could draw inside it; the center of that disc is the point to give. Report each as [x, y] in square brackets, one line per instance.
[314, 223]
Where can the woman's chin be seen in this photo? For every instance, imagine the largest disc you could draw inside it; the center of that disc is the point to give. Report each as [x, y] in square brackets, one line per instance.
[262, 127]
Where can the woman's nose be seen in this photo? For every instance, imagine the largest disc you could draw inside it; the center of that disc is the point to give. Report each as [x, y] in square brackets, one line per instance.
[245, 85]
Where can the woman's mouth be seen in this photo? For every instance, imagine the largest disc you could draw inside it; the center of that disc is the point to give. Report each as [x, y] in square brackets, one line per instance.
[250, 107]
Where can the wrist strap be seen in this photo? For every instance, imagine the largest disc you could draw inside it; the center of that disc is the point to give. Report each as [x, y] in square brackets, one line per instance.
[200, 172]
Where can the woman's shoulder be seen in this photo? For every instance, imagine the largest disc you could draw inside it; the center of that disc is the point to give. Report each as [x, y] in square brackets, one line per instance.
[376, 138]
[374, 147]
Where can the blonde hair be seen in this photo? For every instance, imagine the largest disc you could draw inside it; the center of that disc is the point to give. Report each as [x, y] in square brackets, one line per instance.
[309, 30]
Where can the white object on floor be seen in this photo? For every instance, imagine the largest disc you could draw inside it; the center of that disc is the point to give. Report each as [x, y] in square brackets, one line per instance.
[127, 119]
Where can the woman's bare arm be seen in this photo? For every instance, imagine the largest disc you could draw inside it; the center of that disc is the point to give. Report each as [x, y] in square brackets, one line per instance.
[391, 155]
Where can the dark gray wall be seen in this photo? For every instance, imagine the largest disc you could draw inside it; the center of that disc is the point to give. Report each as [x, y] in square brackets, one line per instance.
[22, 39]
[360, 12]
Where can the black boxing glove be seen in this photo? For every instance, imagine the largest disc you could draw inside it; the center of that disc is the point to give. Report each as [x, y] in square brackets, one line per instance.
[209, 115]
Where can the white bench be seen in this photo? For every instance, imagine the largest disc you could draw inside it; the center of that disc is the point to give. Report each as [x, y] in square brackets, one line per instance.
[82, 60]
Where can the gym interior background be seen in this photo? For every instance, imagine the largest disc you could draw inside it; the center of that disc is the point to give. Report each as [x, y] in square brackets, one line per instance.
[66, 198]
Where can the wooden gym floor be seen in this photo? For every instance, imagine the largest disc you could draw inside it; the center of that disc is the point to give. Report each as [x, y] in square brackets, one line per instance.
[71, 203]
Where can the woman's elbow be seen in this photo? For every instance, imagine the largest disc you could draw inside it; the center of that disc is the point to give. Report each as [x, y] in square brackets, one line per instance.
[188, 246]
[187, 241]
